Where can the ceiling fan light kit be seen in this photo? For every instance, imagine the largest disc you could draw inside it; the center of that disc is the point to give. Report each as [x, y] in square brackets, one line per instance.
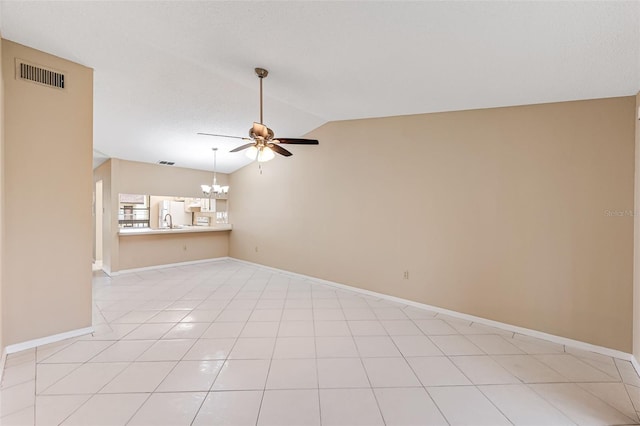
[262, 144]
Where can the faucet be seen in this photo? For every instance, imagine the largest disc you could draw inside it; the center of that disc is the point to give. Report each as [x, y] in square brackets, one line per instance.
[170, 220]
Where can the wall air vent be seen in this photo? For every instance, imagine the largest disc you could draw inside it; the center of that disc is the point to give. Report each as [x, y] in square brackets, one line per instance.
[166, 163]
[38, 74]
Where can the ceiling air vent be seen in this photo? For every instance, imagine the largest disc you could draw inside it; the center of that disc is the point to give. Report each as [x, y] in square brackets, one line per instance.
[38, 74]
[166, 163]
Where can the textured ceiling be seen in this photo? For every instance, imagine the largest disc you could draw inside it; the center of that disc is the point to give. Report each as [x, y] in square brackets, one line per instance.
[166, 70]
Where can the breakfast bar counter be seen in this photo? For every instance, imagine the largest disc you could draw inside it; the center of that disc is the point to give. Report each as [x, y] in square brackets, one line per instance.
[148, 247]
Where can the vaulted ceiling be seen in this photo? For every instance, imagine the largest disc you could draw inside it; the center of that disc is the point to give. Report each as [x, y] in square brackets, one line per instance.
[167, 70]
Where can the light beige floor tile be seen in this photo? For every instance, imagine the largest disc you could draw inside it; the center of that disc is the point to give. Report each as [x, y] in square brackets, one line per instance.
[574, 369]
[167, 350]
[222, 330]
[416, 313]
[54, 409]
[483, 370]
[294, 347]
[80, 351]
[493, 344]
[168, 409]
[169, 316]
[253, 348]
[435, 327]
[326, 304]
[48, 374]
[534, 346]
[627, 372]
[390, 314]
[367, 328]
[186, 330]
[332, 328]
[297, 314]
[437, 371]
[107, 410]
[401, 328]
[349, 407]
[86, 379]
[466, 405]
[634, 394]
[18, 373]
[135, 317]
[296, 329]
[267, 315]
[24, 417]
[124, 350]
[327, 314]
[260, 329]
[335, 347]
[412, 346]
[292, 374]
[210, 349]
[408, 407]
[290, 408]
[528, 369]
[242, 375]
[358, 314]
[17, 398]
[110, 332]
[237, 408]
[18, 358]
[614, 394]
[376, 347]
[579, 405]
[522, 406]
[342, 373]
[456, 345]
[149, 331]
[234, 315]
[45, 351]
[139, 377]
[390, 372]
[191, 376]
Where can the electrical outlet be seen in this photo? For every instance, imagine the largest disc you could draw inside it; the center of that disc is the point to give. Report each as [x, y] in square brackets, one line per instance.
[184, 247]
[405, 275]
[256, 249]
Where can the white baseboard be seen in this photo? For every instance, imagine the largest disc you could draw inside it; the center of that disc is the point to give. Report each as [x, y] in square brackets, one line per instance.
[3, 360]
[503, 326]
[46, 340]
[166, 265]
[636, 364]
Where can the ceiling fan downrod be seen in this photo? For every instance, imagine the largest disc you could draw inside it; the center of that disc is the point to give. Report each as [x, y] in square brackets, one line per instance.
[262, 73]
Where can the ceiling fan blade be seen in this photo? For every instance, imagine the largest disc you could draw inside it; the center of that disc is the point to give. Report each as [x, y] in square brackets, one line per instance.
[280, 150]
[224, 136]
[299, 141]
[260, 130]
[241, 147]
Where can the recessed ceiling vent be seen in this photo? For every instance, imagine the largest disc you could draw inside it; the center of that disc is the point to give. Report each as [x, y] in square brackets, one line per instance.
[166, 163]
[38, 74]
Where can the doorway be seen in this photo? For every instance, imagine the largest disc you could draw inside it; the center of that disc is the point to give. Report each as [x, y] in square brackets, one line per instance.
[98, 211]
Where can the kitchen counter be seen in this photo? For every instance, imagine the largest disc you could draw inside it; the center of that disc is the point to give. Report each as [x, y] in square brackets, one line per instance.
[179, 230]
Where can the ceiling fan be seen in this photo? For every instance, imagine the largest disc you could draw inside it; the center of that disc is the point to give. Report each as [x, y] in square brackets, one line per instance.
[262, 144]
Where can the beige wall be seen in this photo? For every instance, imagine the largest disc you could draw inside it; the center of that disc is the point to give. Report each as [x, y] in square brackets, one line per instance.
[47, 172]
[1, 194]
[636, 254]
[499, 213]
[138, 251]
[131, 177]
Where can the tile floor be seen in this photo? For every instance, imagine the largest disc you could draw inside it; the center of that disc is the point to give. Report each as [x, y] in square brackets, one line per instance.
[224, 343]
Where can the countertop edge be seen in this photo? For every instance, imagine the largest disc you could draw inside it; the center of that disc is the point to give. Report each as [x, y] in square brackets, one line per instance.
[188, 230]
